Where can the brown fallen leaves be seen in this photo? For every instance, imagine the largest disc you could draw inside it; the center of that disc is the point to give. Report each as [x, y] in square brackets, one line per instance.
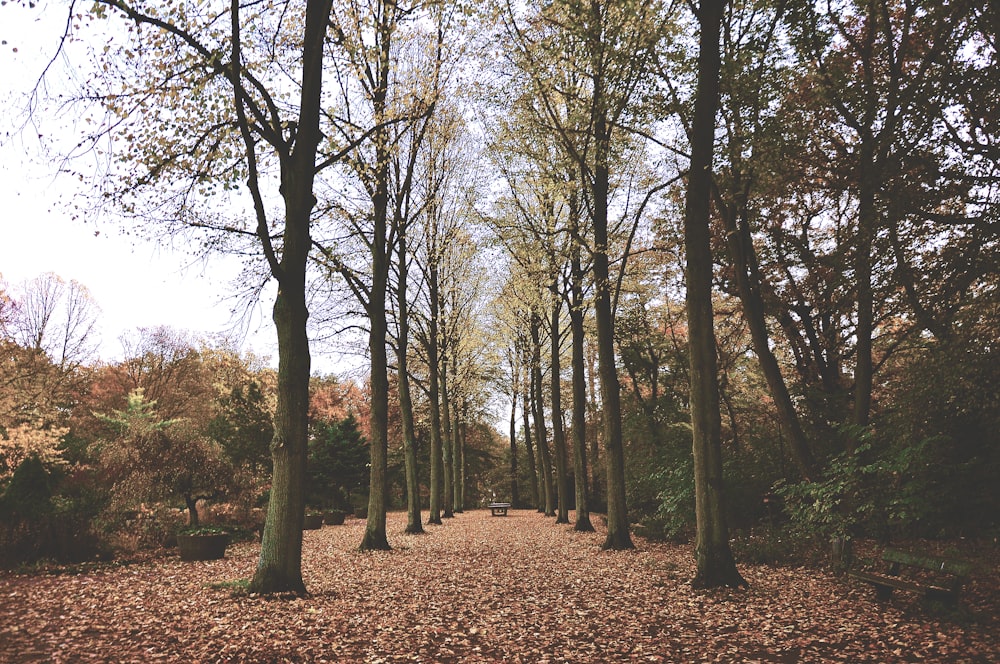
[476, 589]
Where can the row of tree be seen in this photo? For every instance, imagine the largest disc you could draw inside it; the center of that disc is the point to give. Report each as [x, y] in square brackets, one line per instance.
[816, 183]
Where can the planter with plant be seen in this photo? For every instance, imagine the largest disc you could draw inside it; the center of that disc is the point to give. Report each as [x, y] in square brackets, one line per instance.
[203, 543]
[334, 518]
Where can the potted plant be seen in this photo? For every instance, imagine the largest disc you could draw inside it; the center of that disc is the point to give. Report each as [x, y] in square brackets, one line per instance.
[203, 543]
[312, 521]
[334, 517]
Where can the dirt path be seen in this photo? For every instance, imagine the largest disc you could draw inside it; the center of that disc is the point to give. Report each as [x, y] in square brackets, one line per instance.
[477, 589]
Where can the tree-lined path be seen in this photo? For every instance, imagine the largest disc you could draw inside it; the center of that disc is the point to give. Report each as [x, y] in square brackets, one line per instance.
[479, 589]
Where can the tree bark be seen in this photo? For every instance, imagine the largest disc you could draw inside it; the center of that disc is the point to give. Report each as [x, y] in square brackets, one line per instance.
[433, 373]
[515, 495]
[375, 538]
[558, 435]
[279, 567]
[715, 564]
[748, 283]
[538, 410]
[579, 421]
[448, 496]
[864, 369]
[532, 471]
[618, 538]
[414, 523]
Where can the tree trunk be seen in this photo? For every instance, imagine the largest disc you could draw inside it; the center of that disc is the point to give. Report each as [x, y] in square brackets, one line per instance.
[864, 369]
[460, 480]
[538, 409]
[515, 496]
[192, 507]
[456, 463]
[618, 538]
[748, 282]
[579, 421]
[532, 472]
[715, 564]
[414, 523]
[279, 567]
[375, 538]
[558, 436]
[448, 497]
[434, 390]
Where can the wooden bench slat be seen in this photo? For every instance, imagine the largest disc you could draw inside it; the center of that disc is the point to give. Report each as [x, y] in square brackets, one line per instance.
[928, 562]
[956, 570]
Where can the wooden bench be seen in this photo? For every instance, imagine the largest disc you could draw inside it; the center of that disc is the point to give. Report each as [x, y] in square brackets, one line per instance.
[933, 576]
[499, 509]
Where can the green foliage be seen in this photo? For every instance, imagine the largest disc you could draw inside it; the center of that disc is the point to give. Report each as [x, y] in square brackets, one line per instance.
[28, 496]
[151, 459]
[338, 462]
[244, 428]
[865, 491]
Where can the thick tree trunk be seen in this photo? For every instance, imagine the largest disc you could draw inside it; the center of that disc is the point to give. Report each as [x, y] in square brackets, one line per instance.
[864, 368]
[558, 435]
[279, 567]
[375, 538]
[618, 537]
[715, 564]
[538, 409]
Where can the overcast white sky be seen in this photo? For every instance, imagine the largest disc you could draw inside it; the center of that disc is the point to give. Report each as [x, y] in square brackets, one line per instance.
[135, 283]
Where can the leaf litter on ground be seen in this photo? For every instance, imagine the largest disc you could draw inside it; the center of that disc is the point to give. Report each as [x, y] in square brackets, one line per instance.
[478, 589]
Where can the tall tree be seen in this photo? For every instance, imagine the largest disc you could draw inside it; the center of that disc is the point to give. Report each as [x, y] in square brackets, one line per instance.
[611, 46]
[205, 105]
[716, 566]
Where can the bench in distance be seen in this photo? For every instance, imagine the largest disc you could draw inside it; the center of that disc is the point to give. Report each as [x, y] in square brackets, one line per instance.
[499, 509]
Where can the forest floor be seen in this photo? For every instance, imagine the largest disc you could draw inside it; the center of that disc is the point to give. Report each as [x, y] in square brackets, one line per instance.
[482, 589]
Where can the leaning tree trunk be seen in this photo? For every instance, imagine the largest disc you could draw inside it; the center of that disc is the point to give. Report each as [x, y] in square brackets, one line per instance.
[748, 282]
[715, 564]
[192, 507]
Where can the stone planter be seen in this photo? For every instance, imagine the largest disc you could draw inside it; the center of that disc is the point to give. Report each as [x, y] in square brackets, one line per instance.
[203, 547]
[334, 518]
[312, 522]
